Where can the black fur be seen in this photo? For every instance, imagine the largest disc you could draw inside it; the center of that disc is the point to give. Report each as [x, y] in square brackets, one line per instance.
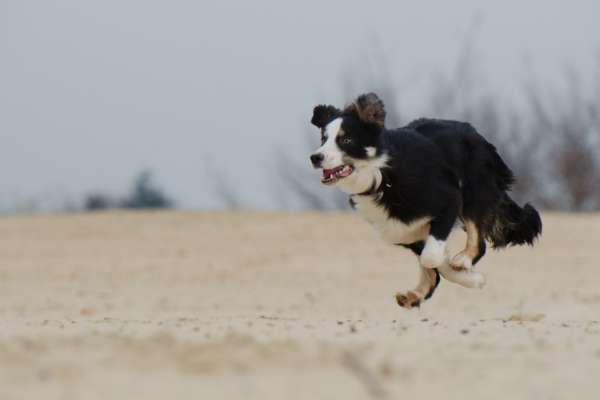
[484, 181]
[513, 225]
[322, 115]
[481, 251]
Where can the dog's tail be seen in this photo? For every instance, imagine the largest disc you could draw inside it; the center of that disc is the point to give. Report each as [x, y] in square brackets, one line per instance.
[514, 225]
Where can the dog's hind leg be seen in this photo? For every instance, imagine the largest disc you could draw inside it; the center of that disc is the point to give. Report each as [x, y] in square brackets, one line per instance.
[468, 278]
[459, 269]
[474, 249]
[429, 279]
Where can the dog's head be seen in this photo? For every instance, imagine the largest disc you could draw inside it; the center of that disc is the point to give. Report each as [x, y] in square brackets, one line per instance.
[349, 152]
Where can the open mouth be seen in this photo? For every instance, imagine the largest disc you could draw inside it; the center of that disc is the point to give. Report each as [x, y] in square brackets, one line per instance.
[331, 176]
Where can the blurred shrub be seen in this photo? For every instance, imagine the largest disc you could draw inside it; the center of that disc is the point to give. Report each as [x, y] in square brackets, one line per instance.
[145, 193]
[98, 201]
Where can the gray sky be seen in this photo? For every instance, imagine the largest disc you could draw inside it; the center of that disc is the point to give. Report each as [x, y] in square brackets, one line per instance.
[91, 92]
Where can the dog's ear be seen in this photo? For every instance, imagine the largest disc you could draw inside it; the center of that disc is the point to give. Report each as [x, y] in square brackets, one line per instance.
[369, 108]
[322, 115]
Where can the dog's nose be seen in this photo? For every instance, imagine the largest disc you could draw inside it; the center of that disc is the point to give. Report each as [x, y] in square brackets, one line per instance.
[316, 159]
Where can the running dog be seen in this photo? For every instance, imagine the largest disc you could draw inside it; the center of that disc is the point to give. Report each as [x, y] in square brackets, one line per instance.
[418, 183]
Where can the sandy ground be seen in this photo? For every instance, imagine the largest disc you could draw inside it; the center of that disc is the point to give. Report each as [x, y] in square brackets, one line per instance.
[285, 306]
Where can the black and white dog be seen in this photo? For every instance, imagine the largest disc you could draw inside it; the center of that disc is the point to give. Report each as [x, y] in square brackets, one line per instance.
[417, 183]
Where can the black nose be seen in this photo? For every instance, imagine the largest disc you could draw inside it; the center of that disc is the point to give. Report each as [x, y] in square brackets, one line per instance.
[316, 159]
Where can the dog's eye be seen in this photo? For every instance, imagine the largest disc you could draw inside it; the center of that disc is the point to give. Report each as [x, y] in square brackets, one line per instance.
[346, 140]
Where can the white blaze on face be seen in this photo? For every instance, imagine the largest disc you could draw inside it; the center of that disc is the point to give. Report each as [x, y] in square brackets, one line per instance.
[330, 150]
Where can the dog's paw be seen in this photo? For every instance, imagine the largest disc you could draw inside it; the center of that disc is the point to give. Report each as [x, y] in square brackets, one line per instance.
[467, 278]
[408, 300]
[461, 262]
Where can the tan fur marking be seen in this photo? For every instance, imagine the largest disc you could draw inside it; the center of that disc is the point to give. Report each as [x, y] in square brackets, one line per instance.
[427, 281]
[472, 247]
[464, 259]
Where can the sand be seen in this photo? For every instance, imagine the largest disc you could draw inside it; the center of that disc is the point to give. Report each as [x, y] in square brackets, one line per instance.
[189, 305]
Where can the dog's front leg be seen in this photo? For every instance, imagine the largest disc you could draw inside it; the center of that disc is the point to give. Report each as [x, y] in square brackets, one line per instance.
[429, 279]
[435, 253]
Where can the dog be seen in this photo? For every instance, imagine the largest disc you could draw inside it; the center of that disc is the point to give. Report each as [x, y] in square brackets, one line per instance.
[418, 183]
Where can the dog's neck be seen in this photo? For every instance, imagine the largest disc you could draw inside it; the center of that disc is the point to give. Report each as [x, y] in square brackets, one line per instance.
[362, 181]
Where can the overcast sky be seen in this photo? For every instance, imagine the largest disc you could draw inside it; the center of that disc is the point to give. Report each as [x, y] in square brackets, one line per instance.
[91, 92]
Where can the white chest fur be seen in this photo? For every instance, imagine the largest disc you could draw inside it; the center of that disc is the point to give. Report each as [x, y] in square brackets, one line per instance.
[391, 230]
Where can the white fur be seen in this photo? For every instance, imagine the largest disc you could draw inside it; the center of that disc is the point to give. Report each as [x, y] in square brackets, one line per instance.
[333, 156]
[462, 260]
[391, 230]
[366, 172]
[434, 253]
[467, 278]
[360, 180]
